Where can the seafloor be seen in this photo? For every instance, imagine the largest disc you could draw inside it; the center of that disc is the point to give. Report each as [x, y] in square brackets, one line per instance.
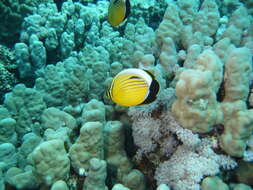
[59, 130]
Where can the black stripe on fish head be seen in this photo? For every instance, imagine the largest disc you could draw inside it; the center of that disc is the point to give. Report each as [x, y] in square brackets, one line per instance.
[153, 91]
[150, 74]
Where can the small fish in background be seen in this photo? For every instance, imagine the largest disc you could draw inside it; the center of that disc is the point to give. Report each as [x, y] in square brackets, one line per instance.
[132, 87]
[118, 11]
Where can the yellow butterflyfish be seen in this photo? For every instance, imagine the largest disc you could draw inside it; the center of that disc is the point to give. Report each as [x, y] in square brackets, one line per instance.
[132, 87]
[118, 11]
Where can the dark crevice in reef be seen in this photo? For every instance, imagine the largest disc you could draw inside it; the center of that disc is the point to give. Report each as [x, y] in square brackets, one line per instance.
[221, 92]
[53, 57]
[249, 106]
[148, 169]
[60, 2]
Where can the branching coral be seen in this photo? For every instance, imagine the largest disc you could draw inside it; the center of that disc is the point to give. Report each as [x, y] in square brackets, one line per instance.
[189, 162]
[7, 69]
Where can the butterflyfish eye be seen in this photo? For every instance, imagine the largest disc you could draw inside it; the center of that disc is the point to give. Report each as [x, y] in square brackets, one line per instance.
[133, 87]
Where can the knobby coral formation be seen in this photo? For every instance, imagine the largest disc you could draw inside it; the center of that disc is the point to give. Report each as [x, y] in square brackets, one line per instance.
[7, 70]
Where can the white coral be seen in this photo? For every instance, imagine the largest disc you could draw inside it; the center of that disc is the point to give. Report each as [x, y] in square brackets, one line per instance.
[186, 168]
[150, 132]
[146, 133]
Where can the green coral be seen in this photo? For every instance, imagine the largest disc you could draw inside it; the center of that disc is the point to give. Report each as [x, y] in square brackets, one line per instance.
[25, 106]
[7, 67]
[213, 183]
[14, 11]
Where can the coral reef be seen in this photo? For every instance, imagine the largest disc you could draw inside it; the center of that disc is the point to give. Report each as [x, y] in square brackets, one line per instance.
[213, 183]
[12, 12]
[50, 161]
[7, 70]
[96, 176]
[59, 185]
[25, 106]
[180, 170]
[84, 148]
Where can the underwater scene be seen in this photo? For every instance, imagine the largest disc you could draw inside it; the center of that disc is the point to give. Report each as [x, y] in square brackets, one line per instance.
[126, 95]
